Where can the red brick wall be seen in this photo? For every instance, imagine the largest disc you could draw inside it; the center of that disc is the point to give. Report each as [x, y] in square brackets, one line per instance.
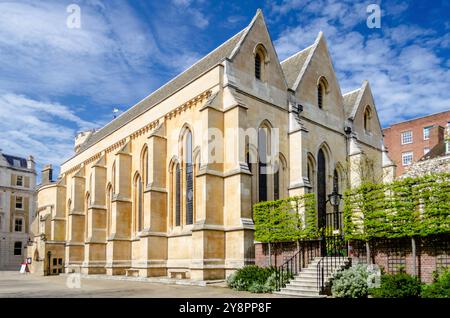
[392, 137]
[428, 253]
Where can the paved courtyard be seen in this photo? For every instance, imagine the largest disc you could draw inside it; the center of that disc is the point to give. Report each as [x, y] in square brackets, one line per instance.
[14, 284]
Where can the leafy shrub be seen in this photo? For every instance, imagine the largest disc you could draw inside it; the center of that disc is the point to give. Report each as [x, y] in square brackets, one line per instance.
[440, 288]
[351, 283]
[250, 276]
[400, 285]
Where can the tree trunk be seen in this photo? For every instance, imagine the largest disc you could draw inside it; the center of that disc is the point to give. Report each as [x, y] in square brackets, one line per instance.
[270, 256]
[413, 248]
[368, 259]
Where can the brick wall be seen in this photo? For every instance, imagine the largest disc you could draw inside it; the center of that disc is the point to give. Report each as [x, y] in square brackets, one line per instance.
[431, 254]
[392, 137]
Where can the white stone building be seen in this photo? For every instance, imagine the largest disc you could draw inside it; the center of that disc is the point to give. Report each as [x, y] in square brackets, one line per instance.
[17, 206]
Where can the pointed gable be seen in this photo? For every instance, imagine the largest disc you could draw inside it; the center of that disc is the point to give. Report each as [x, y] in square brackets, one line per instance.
[243, 56]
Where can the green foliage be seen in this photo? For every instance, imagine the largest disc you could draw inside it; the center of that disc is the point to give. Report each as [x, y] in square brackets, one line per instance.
[351, 283]
[400, 285]
[256, 279]
[281, 220]
[440, 288]
[250, 278]
[404, 208]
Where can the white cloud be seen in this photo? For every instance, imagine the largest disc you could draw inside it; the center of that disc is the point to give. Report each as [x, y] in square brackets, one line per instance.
[43, 129]
[402, 64]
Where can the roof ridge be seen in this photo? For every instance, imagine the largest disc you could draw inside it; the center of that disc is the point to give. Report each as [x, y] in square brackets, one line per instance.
[174, 78]
[295, 54]
[352, 92]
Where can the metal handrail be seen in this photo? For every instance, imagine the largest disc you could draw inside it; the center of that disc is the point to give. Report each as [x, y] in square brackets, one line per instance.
[297, 262]
[330, 261]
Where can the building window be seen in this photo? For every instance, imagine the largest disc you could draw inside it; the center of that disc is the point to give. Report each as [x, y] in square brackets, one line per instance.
[367, 117]
[262, 160]
[177, 195]
[320, 91]
[322, 86]
[139, 204]
[19, 203]
[426, 150]
[17, 248]
[19, 181]
[16, 163]
[1, 222]
[407, 158]
[189, 180]
[407, 137]
[1, 201]
[426, 132]
[258, 66]
[18, 225]
[276, 183]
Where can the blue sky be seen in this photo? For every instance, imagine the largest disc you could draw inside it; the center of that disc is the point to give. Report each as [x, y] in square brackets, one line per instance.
[56, 81]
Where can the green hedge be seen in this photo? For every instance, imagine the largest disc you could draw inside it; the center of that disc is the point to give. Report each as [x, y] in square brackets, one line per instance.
[399, 285]
[440, 288]
[403, 208]
[281, 220]
[255, 279]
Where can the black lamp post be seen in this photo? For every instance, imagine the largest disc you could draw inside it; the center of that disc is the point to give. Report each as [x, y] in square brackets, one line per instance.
[335, 199]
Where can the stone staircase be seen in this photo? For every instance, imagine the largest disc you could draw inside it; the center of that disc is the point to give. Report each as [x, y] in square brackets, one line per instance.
[304, 283]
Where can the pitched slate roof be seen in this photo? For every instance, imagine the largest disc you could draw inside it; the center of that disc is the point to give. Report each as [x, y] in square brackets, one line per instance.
[349, 101]
[13, 159]
[294, 64]
[206, 63]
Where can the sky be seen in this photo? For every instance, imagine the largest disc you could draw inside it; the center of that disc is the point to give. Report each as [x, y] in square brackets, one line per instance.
[56, 81]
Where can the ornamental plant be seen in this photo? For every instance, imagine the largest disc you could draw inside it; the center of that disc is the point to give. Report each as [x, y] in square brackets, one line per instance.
[440, 288]
[400, 285]
[351, 283]
[404, 208]
[282, 220]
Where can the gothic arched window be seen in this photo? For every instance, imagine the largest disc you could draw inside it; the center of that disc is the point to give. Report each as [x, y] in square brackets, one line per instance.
[262, 163]
[177, 195]
[189, 177]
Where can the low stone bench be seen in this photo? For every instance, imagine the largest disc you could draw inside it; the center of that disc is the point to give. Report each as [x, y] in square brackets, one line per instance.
[132, 272]
[178, 273]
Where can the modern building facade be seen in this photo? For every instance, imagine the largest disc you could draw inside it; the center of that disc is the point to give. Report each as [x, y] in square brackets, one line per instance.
[410, 140]
[167, 188]
[17, 208]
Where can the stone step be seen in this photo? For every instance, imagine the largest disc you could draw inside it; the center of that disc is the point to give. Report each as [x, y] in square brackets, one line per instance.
[299, 295]
[302, 291]
[303, 285]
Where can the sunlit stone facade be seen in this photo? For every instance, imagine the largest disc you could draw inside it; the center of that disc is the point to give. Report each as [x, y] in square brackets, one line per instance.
[167, 188]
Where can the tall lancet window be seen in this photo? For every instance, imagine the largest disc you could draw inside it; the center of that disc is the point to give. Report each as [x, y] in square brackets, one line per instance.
[189, 179]
[258, 66]
[262, 163]
[177, 195]
[139, 204]
[276, 182]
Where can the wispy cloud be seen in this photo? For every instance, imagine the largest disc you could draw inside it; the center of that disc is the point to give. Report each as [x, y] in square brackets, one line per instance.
[44, 129]
[408, 76]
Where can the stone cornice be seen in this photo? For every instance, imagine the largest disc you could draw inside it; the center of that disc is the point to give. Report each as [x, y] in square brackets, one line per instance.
[143, 130]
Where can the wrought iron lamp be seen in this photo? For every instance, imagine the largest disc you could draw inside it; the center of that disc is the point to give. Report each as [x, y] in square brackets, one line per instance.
[335, 199]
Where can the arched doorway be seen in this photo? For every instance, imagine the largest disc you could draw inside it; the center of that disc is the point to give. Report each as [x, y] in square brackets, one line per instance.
[321, 189]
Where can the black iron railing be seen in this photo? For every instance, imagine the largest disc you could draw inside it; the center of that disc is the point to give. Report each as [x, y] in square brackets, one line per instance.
[308, 250]
[336, 254]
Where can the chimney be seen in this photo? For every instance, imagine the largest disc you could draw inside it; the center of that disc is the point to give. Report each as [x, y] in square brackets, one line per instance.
[47, 174]
[436, 135]
[30, 163]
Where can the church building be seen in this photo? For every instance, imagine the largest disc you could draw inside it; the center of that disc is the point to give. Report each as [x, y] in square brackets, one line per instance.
[167, 188]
